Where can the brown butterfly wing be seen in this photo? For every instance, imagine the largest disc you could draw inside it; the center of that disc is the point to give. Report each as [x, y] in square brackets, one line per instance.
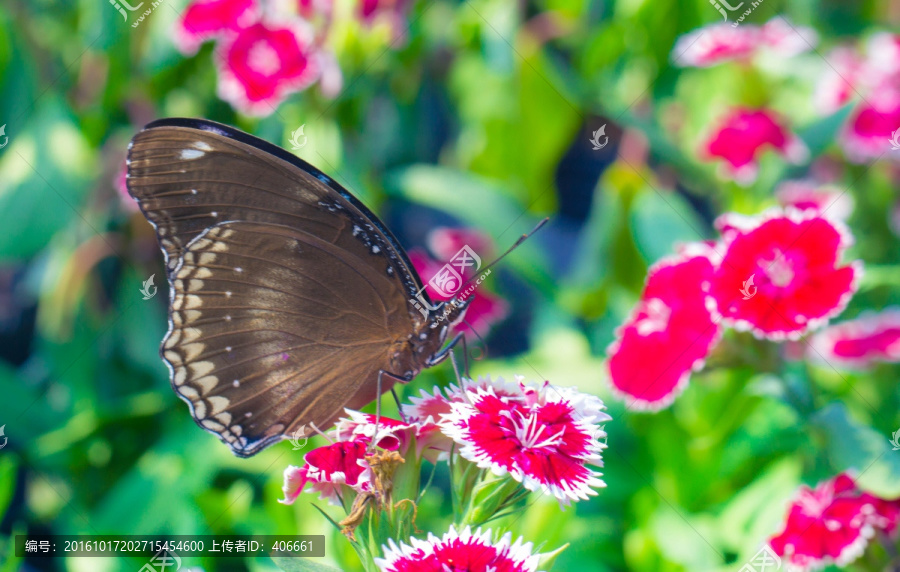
[335, 308]
[267, 336]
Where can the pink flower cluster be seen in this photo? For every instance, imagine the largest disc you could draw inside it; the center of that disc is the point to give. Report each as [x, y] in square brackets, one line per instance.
[832, 524]
[542, 436]
[269, 49]
[860, 343]
[778, 275]
[870, 75]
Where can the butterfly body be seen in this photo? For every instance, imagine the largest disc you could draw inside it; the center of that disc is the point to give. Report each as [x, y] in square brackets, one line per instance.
[289, 299]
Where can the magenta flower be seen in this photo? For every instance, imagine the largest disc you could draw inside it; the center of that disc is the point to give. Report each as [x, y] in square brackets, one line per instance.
[869, 129]
[808, 195]
[780, 275]
[204, 20]
[859, 343]
[831, 524]
[459, 551]
[259, 66]
[328, 469]
[544, 439]
[669, 333]
[741, 137]
[392, 12]
[433, 406]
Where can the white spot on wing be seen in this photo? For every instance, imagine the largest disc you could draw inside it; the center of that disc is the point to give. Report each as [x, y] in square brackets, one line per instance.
[202, 145]
[191, 154]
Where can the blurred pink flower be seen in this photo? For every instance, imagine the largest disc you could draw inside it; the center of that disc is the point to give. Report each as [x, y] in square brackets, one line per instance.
[668, 334]
[840, 79]
[785, 263]
[204, 20]
[259, 66]
[459, 551]
[809, 195]
[484, 310]
[859, 343]
[393, 12]
[831, 524]
[868, 132]
[546, 439]
[722, 42]
[743, 134]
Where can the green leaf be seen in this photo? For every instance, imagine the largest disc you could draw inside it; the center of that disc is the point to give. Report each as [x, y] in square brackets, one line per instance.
[662, 219]
[302, 565]
[854, 446]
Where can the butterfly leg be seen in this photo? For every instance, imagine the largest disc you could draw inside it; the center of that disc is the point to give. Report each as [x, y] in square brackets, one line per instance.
[445, 352]
[378, 401]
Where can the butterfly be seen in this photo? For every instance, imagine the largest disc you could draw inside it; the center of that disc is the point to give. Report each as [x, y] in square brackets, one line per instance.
[289, 299]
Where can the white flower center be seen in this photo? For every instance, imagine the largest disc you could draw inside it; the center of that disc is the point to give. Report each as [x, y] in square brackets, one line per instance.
[656, 319]
[263, 58]
[778, 269]
[531, 432]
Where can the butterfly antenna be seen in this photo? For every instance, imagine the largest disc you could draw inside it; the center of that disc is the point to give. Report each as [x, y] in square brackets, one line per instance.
[480, 339]
[515, 245]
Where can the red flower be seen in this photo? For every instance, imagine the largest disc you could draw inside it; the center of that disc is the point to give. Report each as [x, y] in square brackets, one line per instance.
[669, 333]
[831, 524]
[328, 469]
[808, 195]
[261, 65]
[779, 276]
[743, 134]
[459, 551]
[859, 343]
[545, 439]
[204, 20]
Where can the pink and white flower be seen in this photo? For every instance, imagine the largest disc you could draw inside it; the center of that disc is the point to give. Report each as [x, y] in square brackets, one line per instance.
[780, 275]
[669, 333]
[329, 469]
[804, 195]
[544, 440]
[260, 65]
[743, 134]
[464, 550]
[859, 343]
[831, 524]
[840, 79]
[722, 42]
[205, 20]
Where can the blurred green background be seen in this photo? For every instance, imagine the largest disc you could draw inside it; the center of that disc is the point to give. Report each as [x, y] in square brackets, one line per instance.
[481, 116]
